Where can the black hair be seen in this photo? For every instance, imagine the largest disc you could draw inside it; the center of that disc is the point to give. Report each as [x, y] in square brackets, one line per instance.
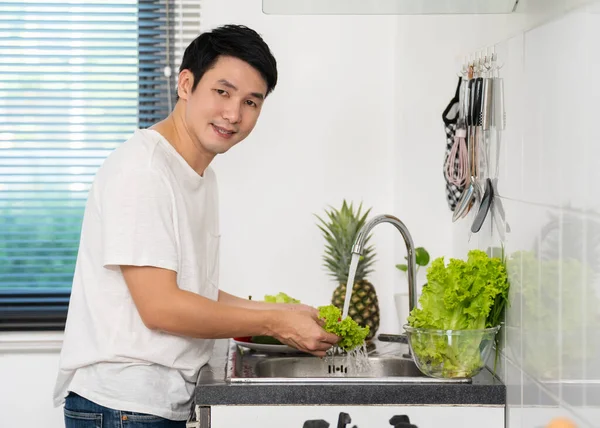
[236, 41]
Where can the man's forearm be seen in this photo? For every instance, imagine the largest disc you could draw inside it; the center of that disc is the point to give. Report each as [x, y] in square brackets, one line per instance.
[163, 306]
[188, 314]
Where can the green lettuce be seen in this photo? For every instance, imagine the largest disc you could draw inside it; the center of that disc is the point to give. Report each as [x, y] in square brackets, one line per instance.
[352, 335]
[463, 295]
[280, 298]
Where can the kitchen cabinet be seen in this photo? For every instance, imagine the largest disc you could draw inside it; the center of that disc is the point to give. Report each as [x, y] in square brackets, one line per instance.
[387, 7]
[361, 416]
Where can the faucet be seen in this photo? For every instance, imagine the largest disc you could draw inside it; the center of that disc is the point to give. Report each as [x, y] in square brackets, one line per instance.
[361, 238]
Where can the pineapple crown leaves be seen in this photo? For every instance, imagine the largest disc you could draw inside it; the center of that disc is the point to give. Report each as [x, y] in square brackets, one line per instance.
[340, 229]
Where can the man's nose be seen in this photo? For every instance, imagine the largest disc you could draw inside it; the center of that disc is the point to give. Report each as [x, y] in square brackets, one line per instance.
[232, 112]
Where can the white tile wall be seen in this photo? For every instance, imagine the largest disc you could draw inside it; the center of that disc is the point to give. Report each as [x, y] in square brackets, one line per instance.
[548, 185]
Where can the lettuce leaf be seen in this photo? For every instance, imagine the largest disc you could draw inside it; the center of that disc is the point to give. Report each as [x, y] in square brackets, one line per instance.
[352, 335]
[458, 357]
[280, 298]
[461, 295]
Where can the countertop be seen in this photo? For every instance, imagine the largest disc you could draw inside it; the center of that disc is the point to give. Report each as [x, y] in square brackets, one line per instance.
[212, 389]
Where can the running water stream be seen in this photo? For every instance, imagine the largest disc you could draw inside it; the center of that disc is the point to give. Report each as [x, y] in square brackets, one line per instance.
[350, 283]
[356, 359]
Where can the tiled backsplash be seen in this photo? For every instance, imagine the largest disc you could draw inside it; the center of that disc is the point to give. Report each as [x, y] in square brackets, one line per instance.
[548, 185]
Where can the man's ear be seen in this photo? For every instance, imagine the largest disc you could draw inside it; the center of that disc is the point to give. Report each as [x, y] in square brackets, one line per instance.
[185, 83]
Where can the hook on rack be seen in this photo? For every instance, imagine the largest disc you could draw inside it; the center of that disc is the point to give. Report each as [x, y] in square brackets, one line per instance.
[480, 62]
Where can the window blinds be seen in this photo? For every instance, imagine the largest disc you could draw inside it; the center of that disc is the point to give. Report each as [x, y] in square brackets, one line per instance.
[76, 79]
[187, 26]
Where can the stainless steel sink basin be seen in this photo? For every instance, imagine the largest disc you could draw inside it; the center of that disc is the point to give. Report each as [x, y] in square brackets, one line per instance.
[303, 367]
[252, 367]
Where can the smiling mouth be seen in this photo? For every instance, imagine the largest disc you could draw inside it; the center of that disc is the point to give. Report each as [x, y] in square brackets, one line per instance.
[222, 131]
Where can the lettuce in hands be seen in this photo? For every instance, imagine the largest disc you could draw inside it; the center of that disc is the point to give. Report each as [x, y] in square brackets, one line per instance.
[352, 335]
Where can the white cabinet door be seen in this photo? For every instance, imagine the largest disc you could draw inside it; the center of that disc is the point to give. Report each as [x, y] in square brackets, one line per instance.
[362, 416]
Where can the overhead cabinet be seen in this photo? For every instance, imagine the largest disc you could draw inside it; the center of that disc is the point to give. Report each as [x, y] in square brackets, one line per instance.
[387, 7]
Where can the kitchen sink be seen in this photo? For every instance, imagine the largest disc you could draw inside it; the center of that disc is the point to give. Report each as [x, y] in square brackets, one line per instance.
[390, 367]
[303, 367]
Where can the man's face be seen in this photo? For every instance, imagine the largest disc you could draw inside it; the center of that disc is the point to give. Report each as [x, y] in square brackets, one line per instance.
[224, 107]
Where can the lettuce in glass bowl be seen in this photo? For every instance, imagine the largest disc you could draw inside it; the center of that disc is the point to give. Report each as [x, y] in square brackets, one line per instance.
[462, 307]
[452, 354]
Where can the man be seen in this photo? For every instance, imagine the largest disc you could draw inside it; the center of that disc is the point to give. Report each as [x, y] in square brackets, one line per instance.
[145, 304]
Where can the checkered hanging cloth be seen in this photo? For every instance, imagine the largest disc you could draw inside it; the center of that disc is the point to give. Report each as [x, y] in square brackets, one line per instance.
[450, 118]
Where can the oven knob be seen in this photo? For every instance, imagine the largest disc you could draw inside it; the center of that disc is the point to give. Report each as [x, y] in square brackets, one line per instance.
[401, 421]
[316, 424]
[344, 420]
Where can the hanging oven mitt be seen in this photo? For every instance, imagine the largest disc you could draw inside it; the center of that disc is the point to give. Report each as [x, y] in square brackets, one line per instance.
[455, 162]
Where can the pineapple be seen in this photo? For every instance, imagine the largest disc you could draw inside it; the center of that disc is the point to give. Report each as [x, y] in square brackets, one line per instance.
[340, 230]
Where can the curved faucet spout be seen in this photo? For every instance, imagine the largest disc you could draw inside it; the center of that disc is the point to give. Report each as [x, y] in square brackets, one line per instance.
[361, 238]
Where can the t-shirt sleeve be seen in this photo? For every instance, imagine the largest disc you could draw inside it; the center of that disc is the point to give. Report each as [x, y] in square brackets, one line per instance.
[138, 226]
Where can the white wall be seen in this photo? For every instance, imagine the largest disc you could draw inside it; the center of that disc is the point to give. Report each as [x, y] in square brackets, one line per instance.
[28, 366]
[549, 167]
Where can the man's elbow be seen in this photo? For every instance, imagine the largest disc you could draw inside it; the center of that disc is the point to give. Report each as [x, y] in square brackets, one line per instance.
[151, 322]
[154, 317]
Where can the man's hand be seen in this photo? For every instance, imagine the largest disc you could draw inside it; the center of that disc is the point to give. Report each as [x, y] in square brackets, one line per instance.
[301, 328]
[300, 307]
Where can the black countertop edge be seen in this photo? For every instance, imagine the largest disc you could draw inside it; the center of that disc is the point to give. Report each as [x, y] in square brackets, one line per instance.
[352, 394]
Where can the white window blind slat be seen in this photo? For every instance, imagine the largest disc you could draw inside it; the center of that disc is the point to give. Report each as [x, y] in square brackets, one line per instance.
[188, 26]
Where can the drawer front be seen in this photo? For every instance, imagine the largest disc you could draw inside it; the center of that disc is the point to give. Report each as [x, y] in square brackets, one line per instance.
[361, 416]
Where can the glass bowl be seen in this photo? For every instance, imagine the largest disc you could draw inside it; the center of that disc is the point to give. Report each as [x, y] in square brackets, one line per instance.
[450, 354]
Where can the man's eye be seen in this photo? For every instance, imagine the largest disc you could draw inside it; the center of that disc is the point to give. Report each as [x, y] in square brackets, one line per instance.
[221, 92]
[251, 103]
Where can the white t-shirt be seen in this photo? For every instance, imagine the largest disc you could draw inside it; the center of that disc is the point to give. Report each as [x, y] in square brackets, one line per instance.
[146, 207]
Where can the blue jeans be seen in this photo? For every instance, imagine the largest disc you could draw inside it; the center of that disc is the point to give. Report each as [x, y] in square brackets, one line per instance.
[82, 413]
